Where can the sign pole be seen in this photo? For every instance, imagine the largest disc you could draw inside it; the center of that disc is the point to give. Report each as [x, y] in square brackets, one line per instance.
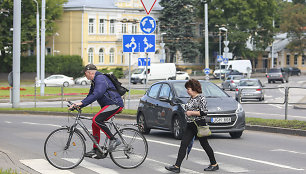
[146, 70]
[129, 80]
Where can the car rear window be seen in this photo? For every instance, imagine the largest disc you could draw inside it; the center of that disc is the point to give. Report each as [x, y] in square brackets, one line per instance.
[274, 70]
[249, 83]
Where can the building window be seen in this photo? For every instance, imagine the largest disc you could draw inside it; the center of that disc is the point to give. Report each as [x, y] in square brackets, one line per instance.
[288, 60]
[90, 55]
[134, 28]
[303, 60]
[101, 26]
[112, 26]
[101, 56]
[112, 55]
[48, 52]
[91, 25]
[124, 28]
[295, 59]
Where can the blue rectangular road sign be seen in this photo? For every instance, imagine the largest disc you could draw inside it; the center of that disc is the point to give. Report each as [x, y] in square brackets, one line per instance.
[138, 43]
[142, 61]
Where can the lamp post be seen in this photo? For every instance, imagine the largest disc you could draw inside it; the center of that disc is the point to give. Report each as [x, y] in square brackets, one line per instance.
[37, 43]
[223, 29]
[53, 51]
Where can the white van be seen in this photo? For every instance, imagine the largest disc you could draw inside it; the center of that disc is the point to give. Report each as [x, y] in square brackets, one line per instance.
[157, 71]
[243, 66]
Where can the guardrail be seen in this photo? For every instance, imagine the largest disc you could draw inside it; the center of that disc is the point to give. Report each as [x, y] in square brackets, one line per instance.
[286, 98]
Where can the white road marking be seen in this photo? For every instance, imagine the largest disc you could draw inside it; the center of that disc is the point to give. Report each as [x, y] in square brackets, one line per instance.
[233, 156]
[42, 166]
[289, 151]
[280, 107]
[8, 122]
[53, 125]
[95, 167]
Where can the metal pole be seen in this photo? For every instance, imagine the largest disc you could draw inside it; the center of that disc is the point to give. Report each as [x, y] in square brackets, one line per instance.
[37, 43]
[16, 53]
[286, 102]
[220, 53]
[62, 93]
[272, 51]
[53, 47]
[129, 80]
[43, 44]
[206, 39]
[146, 70]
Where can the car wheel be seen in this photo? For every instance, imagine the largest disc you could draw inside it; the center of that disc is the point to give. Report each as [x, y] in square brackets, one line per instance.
[235, 134]
[143, 81]
[298, 73]
[186, 78]
[142, 125]
[177, 128]
[65, 84]
[229, 87]
[283, 81]
[83, 83]
[269, 81]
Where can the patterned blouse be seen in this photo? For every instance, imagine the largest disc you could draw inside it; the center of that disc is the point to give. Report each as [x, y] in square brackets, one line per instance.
[196, 104]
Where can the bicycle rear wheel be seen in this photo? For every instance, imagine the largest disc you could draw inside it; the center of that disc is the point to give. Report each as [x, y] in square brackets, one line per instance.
[133, 153]
[61, 154]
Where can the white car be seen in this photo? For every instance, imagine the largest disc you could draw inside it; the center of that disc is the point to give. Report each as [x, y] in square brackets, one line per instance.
[57, 80]
[181, 75]
[82, 81]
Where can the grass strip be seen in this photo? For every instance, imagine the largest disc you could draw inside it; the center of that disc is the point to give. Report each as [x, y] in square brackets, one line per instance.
[9, 171]
[291, 124]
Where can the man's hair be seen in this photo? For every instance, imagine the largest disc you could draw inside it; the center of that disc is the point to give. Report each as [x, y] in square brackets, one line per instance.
[195, 85]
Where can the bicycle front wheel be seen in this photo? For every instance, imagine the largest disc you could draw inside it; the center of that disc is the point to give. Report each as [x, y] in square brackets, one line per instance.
[63, 149]
[131, 153]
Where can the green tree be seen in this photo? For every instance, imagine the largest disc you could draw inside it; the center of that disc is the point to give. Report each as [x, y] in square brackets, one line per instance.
[54, 9]
[177, 20]
[244, 19]
[293, 22]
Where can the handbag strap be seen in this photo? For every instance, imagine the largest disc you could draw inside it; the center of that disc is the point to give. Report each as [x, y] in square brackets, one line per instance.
[195, 123]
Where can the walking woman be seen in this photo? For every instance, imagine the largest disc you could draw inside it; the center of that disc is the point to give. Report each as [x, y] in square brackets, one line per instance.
[195, 110]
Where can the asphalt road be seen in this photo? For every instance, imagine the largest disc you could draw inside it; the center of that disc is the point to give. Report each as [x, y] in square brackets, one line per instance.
[22, 138]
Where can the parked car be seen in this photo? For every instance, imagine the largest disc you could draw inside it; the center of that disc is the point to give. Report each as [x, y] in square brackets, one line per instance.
[160, 108]
[181, 75]
[231, 82]
[293, 71]
[277, 74]
[82, 81]
[230, 72]
[57, 80]
[250, 89]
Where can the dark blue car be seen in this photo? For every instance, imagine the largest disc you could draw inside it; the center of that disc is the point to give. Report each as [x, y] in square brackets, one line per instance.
[160, 108]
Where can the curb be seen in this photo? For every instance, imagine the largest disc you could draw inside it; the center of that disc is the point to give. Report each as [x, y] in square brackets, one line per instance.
[276, 130]
[287, 131]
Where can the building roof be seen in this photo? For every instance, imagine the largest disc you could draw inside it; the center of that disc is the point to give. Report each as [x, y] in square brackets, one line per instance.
[100, 4]
[280, 42]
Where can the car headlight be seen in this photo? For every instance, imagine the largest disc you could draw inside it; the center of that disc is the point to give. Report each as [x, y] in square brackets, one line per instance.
[239, 109]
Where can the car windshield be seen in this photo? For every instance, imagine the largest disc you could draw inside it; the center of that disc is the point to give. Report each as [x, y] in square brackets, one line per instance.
[274, 70]
[138, 71]
[249, 83]
[209, 90]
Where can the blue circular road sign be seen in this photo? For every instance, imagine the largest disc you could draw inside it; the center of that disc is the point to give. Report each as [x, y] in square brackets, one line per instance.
[207, 70]
[148, 25]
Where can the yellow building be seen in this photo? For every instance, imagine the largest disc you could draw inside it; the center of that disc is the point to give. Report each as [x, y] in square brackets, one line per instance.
[94, 29]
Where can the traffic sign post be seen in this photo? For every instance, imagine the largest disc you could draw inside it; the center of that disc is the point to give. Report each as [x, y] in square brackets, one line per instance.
[147, 25]
[207, 71]
[138, 43]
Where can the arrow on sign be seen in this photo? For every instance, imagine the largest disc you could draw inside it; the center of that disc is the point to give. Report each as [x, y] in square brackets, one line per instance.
[148, 5]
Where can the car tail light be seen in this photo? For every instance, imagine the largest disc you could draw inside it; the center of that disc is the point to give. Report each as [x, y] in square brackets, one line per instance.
[268, 76]
[232, 81]
[237, 89]
[281, 75]
[258, 89]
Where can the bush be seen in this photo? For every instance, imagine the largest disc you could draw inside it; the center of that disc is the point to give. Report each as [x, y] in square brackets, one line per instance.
[118, 72]
[61, 64]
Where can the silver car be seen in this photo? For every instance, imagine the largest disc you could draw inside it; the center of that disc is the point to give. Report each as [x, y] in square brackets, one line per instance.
[249, 89]
[231, 82]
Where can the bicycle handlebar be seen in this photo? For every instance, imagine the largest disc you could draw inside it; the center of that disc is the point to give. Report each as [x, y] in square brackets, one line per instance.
[74, 106]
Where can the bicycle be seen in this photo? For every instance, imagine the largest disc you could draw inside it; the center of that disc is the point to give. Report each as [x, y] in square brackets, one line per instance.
[65, 147]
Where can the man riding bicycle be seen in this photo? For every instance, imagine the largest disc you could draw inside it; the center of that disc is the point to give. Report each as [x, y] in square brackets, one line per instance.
[104, 92]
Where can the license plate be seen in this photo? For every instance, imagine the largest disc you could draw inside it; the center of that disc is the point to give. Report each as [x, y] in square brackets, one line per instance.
[221, 120]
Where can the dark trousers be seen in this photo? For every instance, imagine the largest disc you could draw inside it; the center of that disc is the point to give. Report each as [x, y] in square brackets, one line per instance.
[98, 124]
[190, 132]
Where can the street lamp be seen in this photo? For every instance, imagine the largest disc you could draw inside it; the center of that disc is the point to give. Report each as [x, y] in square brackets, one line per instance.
[223, 29]
[37, 42]
[53, 51]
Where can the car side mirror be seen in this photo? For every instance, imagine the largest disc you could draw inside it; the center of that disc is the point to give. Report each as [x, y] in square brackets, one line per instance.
[164, 99]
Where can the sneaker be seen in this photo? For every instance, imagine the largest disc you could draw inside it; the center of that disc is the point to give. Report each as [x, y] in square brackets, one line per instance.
[173, 169]
[94, 153]
[212, 168]
[113, 144]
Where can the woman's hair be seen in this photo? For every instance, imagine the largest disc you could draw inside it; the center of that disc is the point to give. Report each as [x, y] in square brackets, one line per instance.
[195, 85]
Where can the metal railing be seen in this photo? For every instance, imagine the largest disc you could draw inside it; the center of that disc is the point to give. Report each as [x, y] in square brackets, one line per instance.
[286, 98]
